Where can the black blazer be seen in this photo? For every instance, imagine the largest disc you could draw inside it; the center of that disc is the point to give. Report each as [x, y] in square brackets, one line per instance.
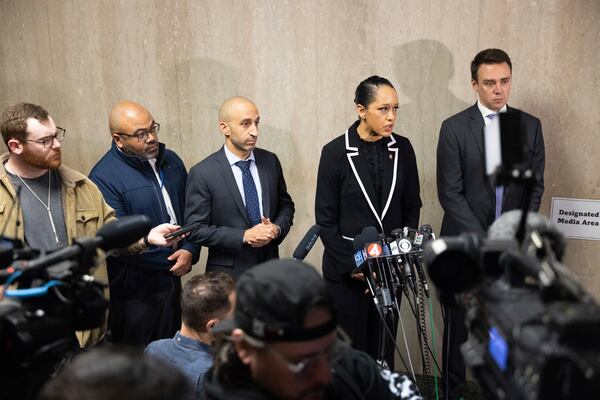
[464, 190]
[214, 201]
[345, 194]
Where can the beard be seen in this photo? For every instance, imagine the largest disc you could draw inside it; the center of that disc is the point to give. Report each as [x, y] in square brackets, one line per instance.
[52, 161]
[145, 154]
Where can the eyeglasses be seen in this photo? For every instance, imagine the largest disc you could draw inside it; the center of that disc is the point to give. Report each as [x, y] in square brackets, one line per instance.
[332, 355]
[48, 141]
[142, 134]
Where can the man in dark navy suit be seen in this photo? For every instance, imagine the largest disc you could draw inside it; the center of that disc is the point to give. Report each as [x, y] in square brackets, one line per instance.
[238, 196]
[470, 202]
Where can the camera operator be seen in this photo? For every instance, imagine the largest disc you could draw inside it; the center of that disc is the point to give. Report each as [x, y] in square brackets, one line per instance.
[284, 343]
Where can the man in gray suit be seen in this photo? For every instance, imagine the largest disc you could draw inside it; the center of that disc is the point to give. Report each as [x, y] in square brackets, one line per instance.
[470, 202]
[237, 196]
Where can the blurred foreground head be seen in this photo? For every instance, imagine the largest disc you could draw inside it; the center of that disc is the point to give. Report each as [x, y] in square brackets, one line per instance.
[116, 373]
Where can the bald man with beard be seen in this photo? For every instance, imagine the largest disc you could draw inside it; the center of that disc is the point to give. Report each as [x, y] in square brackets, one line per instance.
[238, 196]
[138, 175]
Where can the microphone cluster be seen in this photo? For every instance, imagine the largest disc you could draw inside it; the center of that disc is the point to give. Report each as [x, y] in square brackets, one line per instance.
[372, 245]
[387, 263]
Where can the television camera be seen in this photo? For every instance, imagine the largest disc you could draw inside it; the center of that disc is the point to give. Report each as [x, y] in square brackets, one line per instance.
[533, 327]
[47, 297]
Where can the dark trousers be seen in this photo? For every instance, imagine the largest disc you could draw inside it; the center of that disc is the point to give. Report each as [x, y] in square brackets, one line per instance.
[455, 334]
[248, 258]
[141, 321]
[359, 318]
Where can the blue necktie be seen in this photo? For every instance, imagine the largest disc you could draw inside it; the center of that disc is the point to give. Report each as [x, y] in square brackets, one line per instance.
[499, 189]
[250, 194]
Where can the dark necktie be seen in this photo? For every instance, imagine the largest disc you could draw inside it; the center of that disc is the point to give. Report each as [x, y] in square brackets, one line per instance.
[499, 189]
[250, 194]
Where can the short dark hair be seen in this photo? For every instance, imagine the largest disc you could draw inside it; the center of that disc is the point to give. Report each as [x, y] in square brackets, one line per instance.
[13, 123]
[489, 56]
[205, 297]
[116, 373]
[366, 91]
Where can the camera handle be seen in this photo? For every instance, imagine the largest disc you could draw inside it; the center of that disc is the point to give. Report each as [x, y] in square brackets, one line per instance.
[526, 178]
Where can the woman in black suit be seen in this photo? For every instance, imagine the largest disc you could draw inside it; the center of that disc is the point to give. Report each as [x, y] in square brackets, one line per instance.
[367, 177]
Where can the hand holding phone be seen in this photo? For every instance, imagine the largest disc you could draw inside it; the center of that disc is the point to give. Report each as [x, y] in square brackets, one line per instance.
[181, 231]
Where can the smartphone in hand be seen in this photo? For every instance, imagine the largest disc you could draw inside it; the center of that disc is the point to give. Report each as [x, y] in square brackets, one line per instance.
[181, 231]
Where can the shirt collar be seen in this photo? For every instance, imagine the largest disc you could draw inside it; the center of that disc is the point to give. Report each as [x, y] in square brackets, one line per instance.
[486, 111]
[190, 343]
[232, 158]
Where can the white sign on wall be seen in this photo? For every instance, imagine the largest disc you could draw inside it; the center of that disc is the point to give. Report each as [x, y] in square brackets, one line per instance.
[576, 218]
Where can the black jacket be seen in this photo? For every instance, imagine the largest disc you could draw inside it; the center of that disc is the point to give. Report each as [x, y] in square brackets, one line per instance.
[464, 190]
[355, 376]
[344, 201]
[214, 201]
[129, 185]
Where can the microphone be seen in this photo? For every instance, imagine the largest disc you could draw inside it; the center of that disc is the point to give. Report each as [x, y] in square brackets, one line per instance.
[359, 252]
[123, 232]
[307, 242]
[384, 244]
[427, 229]
[372, 242]
[116, 234]
[505, 228]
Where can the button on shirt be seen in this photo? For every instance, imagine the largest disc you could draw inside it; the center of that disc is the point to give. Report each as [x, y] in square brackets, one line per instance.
[237, 174]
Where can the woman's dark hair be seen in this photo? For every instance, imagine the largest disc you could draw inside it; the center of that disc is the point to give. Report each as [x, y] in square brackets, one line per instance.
[367, 90]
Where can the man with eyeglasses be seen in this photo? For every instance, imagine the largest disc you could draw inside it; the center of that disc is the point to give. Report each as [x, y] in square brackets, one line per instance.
[138, 175]
[55, 203]
[283, 342]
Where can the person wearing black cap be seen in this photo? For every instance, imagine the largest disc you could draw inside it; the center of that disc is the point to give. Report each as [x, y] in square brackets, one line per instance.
[283, 342]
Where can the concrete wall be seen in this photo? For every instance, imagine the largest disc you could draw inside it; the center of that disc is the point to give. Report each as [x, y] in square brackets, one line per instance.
[300, 61]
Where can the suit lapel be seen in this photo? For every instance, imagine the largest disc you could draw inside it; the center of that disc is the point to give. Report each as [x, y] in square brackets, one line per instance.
[390, 172]
[229, 179]
[477, 126]
[360, 169]
[264, 174]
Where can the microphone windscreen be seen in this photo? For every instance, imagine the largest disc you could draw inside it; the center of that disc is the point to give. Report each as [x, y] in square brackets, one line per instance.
[123, 232]
[370, 234]
[359, 242]
[307, 242]
[505, 228]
